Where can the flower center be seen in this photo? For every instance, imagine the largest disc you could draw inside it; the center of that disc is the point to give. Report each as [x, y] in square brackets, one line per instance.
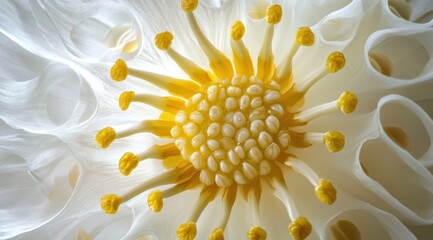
[233, 130]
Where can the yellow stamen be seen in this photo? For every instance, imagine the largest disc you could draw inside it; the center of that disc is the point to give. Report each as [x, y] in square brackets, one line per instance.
[155, 201]
[241, 55]
[334, 141]
[218, 62]
[300, 228]
[125, 99]
[217, 234]
[347, 102]
[189, 5]
[178, 87]
[325, 192]
[119, 71]
[257, 233]
[81, 234]
[305, 36]
[335, 62]
[128, 162]
[105, 137]
[265, 62]
[186, 231]
[110, 203]
[274, 14]
[163, 40]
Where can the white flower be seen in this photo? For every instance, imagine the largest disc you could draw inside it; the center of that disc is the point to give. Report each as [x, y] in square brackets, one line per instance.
[309, 119]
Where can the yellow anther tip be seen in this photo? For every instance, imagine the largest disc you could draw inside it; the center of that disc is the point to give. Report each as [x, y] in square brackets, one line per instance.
[257, 233]
[110, 203]
[105, 137]
[335, 62]
[305, 36]
[217, 234]
[127, 163]
[325, 192]
[155, 201]
[125, 99]
[119, 71]
[163, 40]
[300, 228]
[347, 102]
[334, 141]
[237, 30]
[274, 14]
[189, 5]
[186, 231]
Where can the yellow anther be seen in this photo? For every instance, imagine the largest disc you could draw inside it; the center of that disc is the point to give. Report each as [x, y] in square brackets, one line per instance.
[186, 231]
[155, 201]
[325, 192]
[119, 71]
[237, 30]
[335, 62]
[305, 36]
[300, 228]
[274, 14]
[125, 99]
[334, 141]
[347, 102]
[163, 40]
[105, 137]
[217, 234]
[189, 5]
[257, 233]
[110, 203]
[128, 162]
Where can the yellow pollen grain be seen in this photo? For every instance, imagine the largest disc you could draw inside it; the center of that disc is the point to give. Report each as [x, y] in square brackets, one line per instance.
[347, 102]
[119, 71]
[163, 40]
[237, 31]
[189, 5]
[186, 231]
[335, 62]
[128, 162]
[257, 233]
[105, 137]
[274, 14]
[125, 99]
[155, 201]
[325, 192]
[110, 203]
[217, 234]
[300, 228]
[334, 141]
[305, 36]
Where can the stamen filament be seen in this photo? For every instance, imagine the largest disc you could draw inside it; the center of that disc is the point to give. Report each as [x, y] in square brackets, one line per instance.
[195, 72]
[164, 178]
[241, 56]
[346, 103]
[179, 87]
[302, 168]
[265, 63]
[168, 103]
[218, 62]
[160, 152]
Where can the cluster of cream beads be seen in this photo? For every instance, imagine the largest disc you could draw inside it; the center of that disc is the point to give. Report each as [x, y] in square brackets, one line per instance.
[232, 131]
